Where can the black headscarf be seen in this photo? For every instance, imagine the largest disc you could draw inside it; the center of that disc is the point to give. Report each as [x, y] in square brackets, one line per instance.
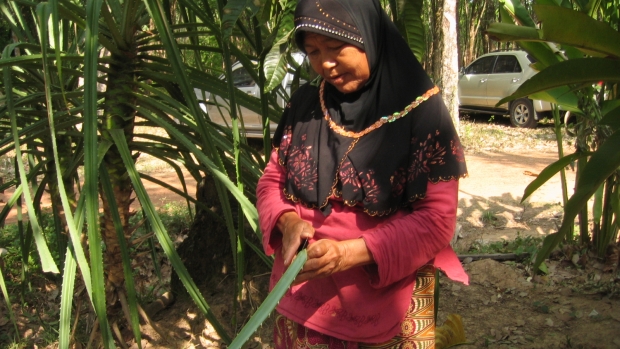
[382, 167]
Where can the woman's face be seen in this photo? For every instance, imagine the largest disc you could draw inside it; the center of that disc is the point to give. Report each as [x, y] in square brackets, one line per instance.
[343, 65]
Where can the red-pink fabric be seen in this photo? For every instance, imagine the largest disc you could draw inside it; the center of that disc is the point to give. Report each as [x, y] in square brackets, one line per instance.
[363, 304]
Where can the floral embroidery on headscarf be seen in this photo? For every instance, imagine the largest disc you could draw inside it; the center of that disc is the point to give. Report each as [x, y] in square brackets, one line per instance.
[427, 154]
[399, 182]
[457, 150]
[348, 176]
[370, 187]
[303, 170]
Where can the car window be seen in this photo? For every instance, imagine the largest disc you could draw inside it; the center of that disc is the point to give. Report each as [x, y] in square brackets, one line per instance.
[483, 65]
[531, 59]
[241, 78]
[507, 64]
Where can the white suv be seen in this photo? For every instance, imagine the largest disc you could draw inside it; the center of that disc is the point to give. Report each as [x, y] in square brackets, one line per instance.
[494, 76]
[218, 107]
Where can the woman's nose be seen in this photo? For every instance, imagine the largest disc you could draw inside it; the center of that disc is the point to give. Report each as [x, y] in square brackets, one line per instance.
[328, 63]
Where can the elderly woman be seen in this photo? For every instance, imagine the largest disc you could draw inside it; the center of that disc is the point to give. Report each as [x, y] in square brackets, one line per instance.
[365, 171]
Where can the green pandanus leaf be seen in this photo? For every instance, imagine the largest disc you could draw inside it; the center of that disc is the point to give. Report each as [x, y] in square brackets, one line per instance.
[9, 307]
[47, 261]
[66, 299]
[272, 300]
[91, 167]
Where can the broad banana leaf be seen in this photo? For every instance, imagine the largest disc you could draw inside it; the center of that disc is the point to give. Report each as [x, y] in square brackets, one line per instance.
[612, 117]
[584, 32]
[583, 70]
[410, 14]
[276, 63]
[275, 66]
[232, 11]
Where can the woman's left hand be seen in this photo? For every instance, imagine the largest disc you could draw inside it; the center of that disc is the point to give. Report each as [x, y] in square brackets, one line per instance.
[327, 257]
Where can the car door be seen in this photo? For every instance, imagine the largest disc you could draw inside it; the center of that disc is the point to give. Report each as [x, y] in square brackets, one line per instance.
[473, 83]
[504, 80]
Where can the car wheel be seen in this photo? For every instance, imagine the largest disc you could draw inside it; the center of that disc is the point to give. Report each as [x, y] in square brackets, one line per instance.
[522, 113]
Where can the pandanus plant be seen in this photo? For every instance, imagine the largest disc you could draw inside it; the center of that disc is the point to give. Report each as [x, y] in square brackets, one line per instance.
[76, 81]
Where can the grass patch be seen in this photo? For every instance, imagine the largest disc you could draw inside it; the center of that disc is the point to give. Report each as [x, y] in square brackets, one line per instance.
[479, 133]
[520, 245]
[488, 217]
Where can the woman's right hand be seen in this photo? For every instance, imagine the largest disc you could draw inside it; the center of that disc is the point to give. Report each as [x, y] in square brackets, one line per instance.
[294, 230]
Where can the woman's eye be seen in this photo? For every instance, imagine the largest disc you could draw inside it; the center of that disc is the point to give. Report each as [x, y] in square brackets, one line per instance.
[336, 47]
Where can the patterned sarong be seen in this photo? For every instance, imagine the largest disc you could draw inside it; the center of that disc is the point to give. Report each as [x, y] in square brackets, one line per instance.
[417, 329]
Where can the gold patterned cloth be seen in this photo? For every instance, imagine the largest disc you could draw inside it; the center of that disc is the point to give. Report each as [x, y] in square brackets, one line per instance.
[417, 329]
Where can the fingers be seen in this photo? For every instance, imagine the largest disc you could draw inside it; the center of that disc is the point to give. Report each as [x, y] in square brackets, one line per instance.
[294, 231]
[325, 257]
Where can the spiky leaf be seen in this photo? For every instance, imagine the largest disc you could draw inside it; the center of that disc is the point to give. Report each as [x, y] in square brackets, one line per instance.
[272, 300]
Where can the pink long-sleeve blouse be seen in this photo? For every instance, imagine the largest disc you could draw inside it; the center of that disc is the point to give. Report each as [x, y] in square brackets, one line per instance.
[364, 304]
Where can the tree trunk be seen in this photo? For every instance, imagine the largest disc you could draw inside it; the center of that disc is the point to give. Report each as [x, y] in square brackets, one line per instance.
[206, 251]
[436, 41]
[449, 59]
[473, 15]
[119, 113]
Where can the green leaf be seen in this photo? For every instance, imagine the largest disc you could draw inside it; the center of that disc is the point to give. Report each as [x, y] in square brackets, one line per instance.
[597, 205]
[599, 37]
[562, 96]
[548, 172]
[248, 208]
[583, 70]
[66, 300]
[272, 300]
[275, 63]
[91, 168]
[541, 51]
[543, 268]
[411, 17]
[511, 32]
[232, 11]
[518, 12]
[47, 261]
[7, 300]
[611, 114]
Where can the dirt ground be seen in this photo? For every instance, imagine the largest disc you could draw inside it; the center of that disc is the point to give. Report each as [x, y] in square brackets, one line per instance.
[576, 305]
